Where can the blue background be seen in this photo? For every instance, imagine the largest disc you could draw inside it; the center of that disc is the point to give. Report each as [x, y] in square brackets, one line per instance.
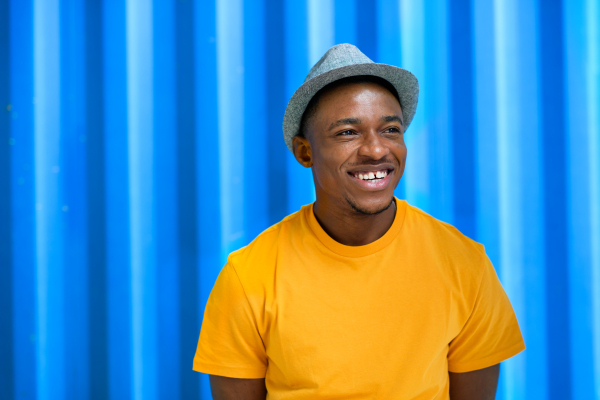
[140, 143]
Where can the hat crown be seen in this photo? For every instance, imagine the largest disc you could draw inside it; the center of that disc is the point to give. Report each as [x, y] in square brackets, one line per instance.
[338, 56]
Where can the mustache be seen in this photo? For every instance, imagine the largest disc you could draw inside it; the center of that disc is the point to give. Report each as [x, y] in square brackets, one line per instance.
[371, 162]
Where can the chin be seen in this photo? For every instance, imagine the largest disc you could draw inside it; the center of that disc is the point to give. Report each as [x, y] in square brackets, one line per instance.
[370, 207]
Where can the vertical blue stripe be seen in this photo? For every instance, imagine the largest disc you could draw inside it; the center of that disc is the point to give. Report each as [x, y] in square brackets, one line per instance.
[462, 118]
[186, 199]
[321, 28]
[301, 189]
[415, 182]
[578, 163]
[345, 21]
[388, 34]
[165, 175]
[140, 95]
[366, 28]
[592, 12]
[97, 317]
[74, 206]
[256, 156]
[276, 102]
[533, 312]
[207, 155]
[48, 197]
[6, 142]
[487, 206]
[509, 188]
[437, 109]
[117, 200]
[555, 225]
[230, 62]
[23, 199]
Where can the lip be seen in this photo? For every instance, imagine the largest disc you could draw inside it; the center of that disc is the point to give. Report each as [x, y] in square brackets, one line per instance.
[373, 186]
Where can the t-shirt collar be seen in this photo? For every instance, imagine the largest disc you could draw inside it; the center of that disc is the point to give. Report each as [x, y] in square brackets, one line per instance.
[357, 251]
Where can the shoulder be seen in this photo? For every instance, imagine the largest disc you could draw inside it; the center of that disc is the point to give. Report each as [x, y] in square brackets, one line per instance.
[441, 235]
[257, 260]
[458, 258]
[459, 264]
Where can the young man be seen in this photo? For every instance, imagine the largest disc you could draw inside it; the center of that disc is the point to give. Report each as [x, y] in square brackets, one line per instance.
[358, 295]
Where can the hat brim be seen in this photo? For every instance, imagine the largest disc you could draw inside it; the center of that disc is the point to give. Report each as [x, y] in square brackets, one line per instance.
[405, 83]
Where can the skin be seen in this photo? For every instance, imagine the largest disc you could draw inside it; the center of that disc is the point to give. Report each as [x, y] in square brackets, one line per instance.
[475, 385]
[357, 127]
[223, 388]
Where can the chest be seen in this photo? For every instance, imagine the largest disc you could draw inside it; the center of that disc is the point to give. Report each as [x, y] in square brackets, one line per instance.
[343, 327]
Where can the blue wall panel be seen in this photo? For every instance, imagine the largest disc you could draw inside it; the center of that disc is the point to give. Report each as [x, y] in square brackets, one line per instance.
[22, 206]
[116, 194]
[6, 140]
[581, 102]
[95, 191]
[552, 124]
[140, 143]
[74, 205]
[164, 169]
[208, 199]
[49, 198]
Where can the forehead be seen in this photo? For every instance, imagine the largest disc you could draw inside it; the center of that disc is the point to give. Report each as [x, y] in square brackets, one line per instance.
[367, 96]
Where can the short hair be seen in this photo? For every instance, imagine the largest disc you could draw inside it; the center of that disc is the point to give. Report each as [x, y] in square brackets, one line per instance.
[312, 107]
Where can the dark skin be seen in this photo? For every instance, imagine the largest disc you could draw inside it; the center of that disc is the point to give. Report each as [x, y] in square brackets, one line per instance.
[357, 129]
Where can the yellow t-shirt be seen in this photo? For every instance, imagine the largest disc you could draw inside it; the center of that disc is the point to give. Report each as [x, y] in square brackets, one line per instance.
[321, 320]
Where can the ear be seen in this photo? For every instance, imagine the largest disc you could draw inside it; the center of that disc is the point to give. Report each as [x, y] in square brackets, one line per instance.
[302, 151]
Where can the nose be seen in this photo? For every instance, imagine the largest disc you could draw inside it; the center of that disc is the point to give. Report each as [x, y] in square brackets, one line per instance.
[373, 146]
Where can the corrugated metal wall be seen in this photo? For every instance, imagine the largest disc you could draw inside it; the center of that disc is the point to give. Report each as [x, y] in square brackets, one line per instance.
[140, 143]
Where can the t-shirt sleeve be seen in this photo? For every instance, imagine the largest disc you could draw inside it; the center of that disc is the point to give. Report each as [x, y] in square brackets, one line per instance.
[230, 344]
[491, 333]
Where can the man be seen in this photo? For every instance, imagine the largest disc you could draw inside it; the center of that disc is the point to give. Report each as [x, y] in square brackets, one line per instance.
[359, 295]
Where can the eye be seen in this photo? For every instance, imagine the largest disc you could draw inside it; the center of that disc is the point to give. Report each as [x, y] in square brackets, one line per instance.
[347, 132]
[392, 129]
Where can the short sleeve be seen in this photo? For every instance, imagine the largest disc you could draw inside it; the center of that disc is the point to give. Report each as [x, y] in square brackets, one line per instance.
[230, 344]
[491, 333]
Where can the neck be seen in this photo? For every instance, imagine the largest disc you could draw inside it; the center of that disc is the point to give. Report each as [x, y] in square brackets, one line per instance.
[351, 228]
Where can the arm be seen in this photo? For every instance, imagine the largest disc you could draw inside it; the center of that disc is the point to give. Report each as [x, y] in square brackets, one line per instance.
[475, 385]
[224, 388]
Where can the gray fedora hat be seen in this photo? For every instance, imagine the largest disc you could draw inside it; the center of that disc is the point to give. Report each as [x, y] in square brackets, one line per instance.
[343, 61]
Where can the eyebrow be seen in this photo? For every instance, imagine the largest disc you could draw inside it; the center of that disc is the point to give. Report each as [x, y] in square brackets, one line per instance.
[345, 121]
[392, 118]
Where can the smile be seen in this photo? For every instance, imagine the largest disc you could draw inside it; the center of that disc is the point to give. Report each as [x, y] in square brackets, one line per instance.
[374, 176]
[372, 179]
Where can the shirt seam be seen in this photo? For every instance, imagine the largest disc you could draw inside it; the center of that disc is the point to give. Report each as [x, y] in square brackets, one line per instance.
[486, 362]
[223, 366]
[365, 255]
[249, 306]
[472, 308]
[272, 229]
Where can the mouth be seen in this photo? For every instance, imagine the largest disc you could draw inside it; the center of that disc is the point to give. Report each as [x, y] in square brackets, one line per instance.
[372, 180]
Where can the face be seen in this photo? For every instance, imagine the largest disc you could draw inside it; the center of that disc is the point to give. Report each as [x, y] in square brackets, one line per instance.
[355, 146]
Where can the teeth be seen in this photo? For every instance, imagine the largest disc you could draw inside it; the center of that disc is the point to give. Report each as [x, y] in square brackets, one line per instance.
[372, 176]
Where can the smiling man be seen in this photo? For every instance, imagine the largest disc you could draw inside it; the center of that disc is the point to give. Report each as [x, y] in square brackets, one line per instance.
[358, 295]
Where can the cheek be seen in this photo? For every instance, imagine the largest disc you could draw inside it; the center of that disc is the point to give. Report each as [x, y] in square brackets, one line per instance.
[403, 153]
[325, 170]
[399, 150]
